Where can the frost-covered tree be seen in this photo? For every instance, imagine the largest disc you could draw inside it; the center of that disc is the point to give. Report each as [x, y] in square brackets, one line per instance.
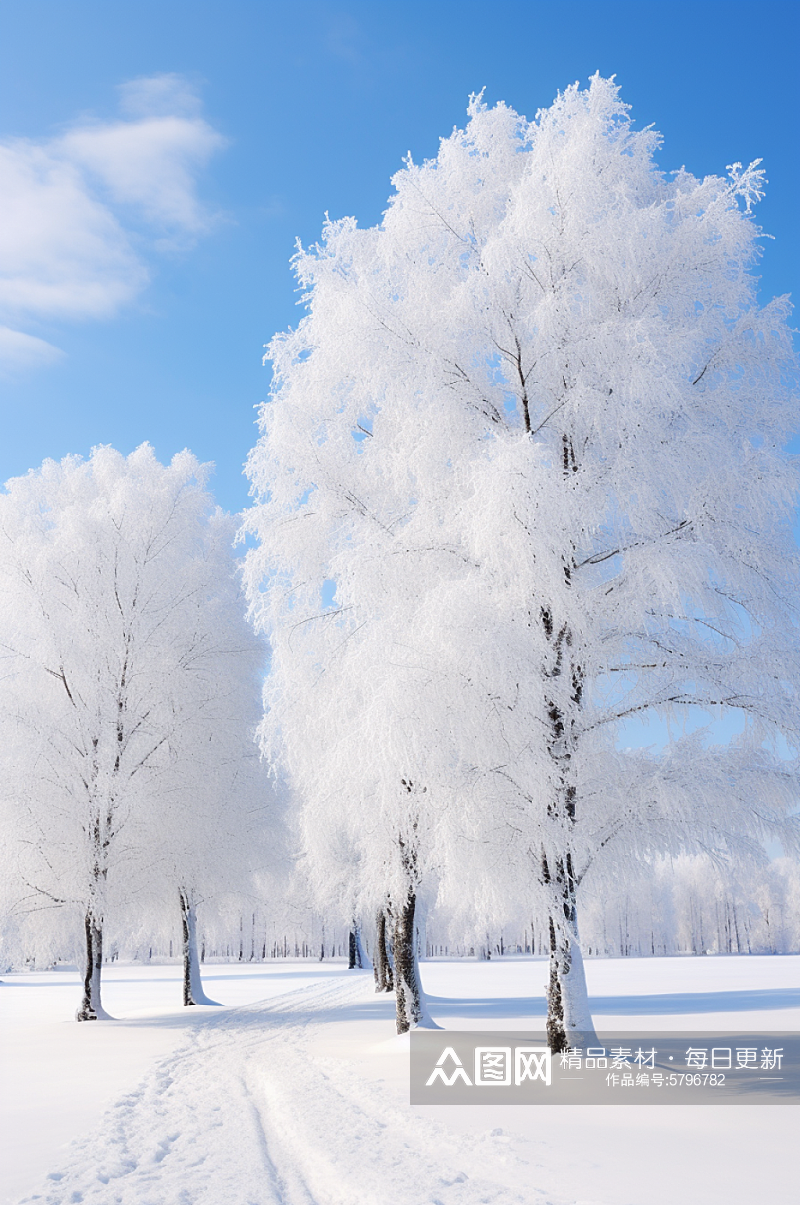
[531, 429]
[215, 813]
[128, 688]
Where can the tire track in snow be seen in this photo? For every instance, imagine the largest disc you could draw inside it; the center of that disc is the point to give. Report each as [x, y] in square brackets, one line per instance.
[247, 1114]
[389, 1153]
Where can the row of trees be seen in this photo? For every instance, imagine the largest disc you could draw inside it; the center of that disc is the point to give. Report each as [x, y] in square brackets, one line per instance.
[666, 906]
[693, 907]
[521, 482]
[686, 905]
[129, 696]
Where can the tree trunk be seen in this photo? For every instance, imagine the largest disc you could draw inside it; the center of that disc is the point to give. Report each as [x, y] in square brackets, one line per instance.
[407, 993]
[363, 959]
[382, 965]
[412, 1011]
[569, 1021]
[357, 955]
[192, 983]
[90, 1008]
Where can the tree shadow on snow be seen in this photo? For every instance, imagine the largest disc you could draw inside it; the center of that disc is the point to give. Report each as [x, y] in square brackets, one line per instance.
[671, 1003]
[700, 1002]
[382, 1008]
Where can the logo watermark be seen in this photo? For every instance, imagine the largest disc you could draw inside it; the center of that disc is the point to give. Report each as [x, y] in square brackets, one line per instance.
[479, 1067]
[492, 1067]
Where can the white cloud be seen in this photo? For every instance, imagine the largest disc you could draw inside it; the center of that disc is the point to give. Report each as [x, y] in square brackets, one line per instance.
[69, 207]
[62, 251]
[19, 351]
[151, 164]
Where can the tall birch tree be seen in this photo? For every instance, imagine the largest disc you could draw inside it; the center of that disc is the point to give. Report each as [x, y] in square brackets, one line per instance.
[128, 666]
[532, 429]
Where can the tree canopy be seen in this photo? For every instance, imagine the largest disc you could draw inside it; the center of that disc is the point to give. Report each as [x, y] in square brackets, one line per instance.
[532, 430]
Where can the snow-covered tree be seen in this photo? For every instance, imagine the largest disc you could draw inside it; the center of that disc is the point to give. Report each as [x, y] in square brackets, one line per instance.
[127, 693]
[531, 429]
[217, 813]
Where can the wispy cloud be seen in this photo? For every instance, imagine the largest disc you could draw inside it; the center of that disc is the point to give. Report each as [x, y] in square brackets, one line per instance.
[78, 212]
[19, 351]
[159, 96]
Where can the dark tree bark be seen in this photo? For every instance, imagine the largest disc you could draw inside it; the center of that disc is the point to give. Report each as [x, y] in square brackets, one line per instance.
[407, 991]
[556, 1028]
[382, 964]
[192, 981]
[409, 998]
[91, 1008]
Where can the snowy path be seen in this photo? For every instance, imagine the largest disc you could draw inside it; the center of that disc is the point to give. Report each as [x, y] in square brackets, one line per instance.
[248, 1114]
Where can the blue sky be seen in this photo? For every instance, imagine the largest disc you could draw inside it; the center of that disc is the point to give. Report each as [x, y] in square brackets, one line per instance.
[161, 159]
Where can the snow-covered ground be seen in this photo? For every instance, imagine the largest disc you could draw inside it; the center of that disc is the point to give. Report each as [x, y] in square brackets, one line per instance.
[296, 1093]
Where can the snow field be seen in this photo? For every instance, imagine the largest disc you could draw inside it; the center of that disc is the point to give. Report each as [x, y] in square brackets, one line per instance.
[302, 1099]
